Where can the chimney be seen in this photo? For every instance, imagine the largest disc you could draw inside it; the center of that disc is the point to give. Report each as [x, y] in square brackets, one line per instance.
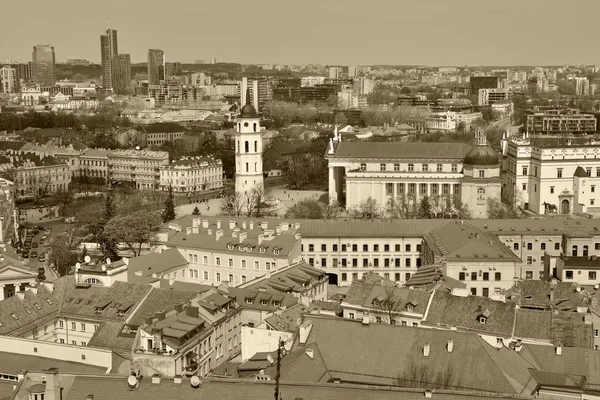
[264, 225]
[518, 345]
[204, 224]
[148, 320]
[192, 312]
[177, 379]
[310, 353]
[551, 294]
[297, 225]
[160, 315]
[261, 238]
[242, 236]
[155, 379]
[251, 224]
[305, 328]
[243, 224]
[21, 374]
[365, 320]
[210, 232]
[33, 290]
[231, 224]
[218, 224]
[52, 389]
[428, 394]
[297, 236]
[559, 350]
[450, 345]
[426, 350]
[219, 234]
[278, 229]
[179, 307]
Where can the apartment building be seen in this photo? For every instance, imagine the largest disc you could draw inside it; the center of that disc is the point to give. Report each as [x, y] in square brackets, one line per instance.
[93, 163]
[138, 168]
[558, 121]
[159, 134]
[192, 175]
[490, 96]
[580, 270]
[230, 250]
[8, 80]
[554, 175]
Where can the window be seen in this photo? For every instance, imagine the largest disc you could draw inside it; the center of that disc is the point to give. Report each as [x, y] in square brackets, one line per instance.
[323, 262]
[256, 265]
[559, 172]
[335, 247]
[230, 262]
[351, 315]
[344, 262]
[516, 246]
[486, 276]
[439, 168]
[382, 167]
[423, 189]
[528, 274]
[218, 277]
[407, 262]
[473, 276]
[323, 247]
[568, 274]
[376, 262]
[397, 262]
[485, 292]
[74, 342]
[454, 168]
[311, 247]
[354, 276]
[530, 246]
[73, 326]
[461, 276]
[396, 167]
[365, 262]
[363, 167]
[311, 261]
[397, 247]
[389, 189]
[386, 262]
[585, 250]
[597, 246]
[556, 246]
[82, 327]
[400, 188]
[593, 188]
[551, 189]
[407, 277]
[525, 170]
[498, 276]
[574, 251]
[375, 247]
[407, 247]
[596, 333]
[344, 277]
[243, 278]
[588, 171]
[592, 275]
[411, 167]
[365, 247]
[482, 173]
[354, 247]
[542, 246]
[524, 186]
[425, 167]
[205, 275]
[243, 264]
[396, 277]
[474, 291]
[386, 247]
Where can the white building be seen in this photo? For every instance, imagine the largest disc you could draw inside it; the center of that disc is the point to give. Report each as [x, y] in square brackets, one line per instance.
[140, 168]
[192, 175]
[248, 150]
[554, 174]
[444, 122]
[8, 79]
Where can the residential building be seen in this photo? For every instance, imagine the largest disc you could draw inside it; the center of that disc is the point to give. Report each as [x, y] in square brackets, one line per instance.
[248, 150]
[493, 95]
[175, 92]
[43, 69]
[335, 72]
[192, 175]
[93, 166]
[441, 122]
[108, 51]
[156, 66]
[35, 175]
[66, 154]
[121, 73]
[380, 301]
[287, 156]
[558, 121]
[475, 257]
[139, 168]
[257, 92]
[546, 174]
[234, 250]
[161, 133]
[8, 80]
[392, 171]
[582, 271]
[483, 82]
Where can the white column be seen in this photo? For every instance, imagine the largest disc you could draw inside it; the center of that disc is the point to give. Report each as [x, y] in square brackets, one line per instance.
[333, 195]
[1, 292]
[17, 288]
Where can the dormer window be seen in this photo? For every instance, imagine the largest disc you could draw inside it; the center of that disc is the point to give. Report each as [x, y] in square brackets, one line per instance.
[249, 248]
[249, 301]
[276, 303]
[241, 247]
[262, 249]
[230, 246]
[264, 302]
[376, 303]
[276, 252]
[410, 308]
[482, 319]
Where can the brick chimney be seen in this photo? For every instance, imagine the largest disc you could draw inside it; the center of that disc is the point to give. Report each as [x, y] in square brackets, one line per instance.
[52, 385]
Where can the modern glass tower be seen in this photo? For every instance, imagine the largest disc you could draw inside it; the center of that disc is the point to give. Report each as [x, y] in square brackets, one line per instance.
[43, 69]
[156, 66]
[109, 51]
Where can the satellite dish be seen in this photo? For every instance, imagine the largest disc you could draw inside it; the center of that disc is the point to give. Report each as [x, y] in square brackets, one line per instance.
[597, 286]
[195, 381]
[87, 259]
[108, 261]
[104, 268]
[132, 381]
[77, 266]
[578, 288]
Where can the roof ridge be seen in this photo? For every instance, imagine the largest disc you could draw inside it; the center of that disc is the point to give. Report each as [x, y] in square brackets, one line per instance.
[485, 345]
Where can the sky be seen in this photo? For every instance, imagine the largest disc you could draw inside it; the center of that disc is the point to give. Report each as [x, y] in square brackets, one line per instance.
[330, 32]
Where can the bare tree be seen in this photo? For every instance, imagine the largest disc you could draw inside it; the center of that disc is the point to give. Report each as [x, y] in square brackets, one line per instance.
[423, 377]
[39, 186]
[256, 201]
[331, 210]
[233, 204]
[367, 209]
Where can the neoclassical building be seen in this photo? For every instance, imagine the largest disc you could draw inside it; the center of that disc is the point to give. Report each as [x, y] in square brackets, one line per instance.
[412, 170]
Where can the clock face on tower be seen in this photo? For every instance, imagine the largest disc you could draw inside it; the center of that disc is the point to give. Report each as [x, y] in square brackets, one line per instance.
[246, 124]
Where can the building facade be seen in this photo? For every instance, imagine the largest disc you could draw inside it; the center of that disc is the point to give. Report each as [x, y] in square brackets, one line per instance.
[108, 52]
[121, 74]
[491, 96]
[139, 168]
[558, 121]
[8, 79]
[192, 175]
[44, 65]
[156, 66]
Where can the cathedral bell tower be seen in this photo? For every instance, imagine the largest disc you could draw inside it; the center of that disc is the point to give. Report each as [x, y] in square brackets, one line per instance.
[248, 150]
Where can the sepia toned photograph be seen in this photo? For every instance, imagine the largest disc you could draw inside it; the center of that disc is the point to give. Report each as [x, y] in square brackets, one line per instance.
[313, 200]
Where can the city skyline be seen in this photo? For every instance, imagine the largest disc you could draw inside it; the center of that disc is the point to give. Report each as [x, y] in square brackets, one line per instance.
[464, 32]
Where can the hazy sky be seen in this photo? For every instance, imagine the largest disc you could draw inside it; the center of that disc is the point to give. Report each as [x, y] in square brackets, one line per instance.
[344, 32]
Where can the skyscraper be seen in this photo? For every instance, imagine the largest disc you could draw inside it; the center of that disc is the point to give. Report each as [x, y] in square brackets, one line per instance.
[156, 66]
[43, 65]
[109, 51]
[121, 73]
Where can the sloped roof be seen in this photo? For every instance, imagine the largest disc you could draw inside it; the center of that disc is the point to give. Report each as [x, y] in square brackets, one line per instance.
[402, 150]
[287, 320]
[531, 293]
[12, 363]
[364, 294]
[352, 228]
[294, 278]
[447, 310]
[160, 300]
[156, 263]
[430, 277]
[240, 294]
[19, 315]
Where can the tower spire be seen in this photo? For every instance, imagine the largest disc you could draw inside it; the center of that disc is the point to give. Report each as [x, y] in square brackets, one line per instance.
[107, 25]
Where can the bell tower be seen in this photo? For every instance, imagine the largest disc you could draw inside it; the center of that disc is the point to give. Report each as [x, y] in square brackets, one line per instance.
[248, 150]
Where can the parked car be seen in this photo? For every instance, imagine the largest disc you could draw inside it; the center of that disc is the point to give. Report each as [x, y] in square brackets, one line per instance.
[42, 257]
[25, 254]
[34, 244]
[34, 254]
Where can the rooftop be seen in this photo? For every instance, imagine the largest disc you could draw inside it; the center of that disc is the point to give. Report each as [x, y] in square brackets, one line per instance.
[402, 150]
[155, 263]
[27, 310]
[297, 278]
[12, 363]
[131, 153]
[287, 320]
[376, 296]
[432, 276]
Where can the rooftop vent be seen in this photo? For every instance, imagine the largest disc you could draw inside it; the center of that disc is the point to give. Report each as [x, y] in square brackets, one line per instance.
[426, 350]
[450, 345]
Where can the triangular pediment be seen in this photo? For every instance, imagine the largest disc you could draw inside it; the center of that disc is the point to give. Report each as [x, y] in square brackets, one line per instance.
[12, 272]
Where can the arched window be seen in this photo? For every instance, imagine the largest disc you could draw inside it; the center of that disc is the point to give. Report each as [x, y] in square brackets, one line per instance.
[480, 191]
[254, 127]
[411, 167]
[246, 166]
[396, 167]
[425, 167]
[480, 196]
[363, 167]
[382, 167]
[247, 146]
[94, 281]
[255, 167]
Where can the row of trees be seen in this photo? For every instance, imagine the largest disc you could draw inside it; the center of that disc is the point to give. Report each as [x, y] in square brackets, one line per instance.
[105, 117]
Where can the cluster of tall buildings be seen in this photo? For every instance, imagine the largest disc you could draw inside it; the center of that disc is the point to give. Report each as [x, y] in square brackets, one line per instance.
[116, 68]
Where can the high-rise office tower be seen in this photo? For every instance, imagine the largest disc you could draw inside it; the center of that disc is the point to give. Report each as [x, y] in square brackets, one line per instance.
[121, 73]
[156, 66]
[109, 52]
[44, 65]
